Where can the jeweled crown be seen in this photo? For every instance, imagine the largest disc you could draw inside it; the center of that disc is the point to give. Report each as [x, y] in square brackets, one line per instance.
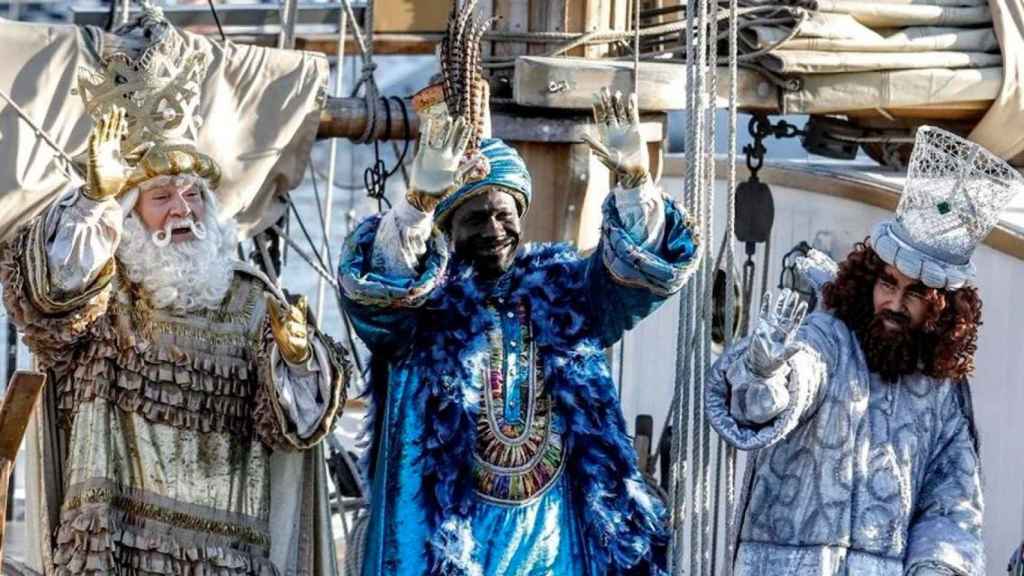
[953, 195]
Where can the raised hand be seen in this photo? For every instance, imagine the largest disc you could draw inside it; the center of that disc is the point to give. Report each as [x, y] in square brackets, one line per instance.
[107, 172]
[772, 342]
[288, 323]
[618, 144]
[439, 165]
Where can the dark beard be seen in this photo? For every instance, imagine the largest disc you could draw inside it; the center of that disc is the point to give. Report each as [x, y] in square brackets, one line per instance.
[890, 353]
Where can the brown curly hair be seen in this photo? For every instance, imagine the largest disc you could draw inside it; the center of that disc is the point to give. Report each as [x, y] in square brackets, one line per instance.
[943, 347]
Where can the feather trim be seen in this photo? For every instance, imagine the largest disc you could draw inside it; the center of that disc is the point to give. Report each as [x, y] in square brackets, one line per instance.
[623, 526]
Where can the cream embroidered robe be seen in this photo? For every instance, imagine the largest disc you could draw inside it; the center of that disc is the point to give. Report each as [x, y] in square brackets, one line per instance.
[181, 459]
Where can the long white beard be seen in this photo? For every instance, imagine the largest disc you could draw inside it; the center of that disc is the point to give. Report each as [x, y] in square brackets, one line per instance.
[185, 276]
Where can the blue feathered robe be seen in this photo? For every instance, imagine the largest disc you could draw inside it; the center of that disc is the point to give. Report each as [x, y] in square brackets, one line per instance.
[499, 443]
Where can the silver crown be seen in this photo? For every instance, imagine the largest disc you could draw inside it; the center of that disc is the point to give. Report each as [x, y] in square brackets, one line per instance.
[952, 198]
[954, 193]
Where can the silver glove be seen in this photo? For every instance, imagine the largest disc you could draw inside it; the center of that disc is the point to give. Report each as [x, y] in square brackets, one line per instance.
[816, 268]
[772, 343]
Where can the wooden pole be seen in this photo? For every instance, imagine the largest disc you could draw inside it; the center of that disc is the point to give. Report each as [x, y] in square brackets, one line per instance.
[569, 186]
[19, 402]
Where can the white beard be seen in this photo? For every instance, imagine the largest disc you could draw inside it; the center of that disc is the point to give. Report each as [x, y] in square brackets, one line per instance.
[181, 277]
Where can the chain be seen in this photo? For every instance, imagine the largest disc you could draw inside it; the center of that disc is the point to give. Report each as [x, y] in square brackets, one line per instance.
[760, 128]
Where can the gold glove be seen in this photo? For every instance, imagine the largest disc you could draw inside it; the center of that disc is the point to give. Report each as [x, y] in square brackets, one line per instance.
[107, 172]
[289, 327]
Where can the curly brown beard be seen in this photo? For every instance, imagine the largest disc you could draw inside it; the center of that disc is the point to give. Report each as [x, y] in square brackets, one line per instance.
[891, 353]
[943, 347]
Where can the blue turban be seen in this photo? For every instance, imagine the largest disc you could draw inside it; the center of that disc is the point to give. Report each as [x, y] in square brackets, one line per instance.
[508, 171]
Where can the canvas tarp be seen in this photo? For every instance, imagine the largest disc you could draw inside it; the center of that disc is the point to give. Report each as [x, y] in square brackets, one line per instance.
[260, 106]
[883, 14]
[853, 39]
[904, 53]
[839, 93]
[820, 62]
[1001, 130]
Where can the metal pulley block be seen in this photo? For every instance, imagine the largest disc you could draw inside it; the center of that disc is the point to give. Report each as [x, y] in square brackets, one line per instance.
[755, 211]
[832, 137]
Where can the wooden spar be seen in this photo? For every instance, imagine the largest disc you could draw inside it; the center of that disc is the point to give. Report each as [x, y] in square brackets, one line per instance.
[567, 83]
[347, 117]
[569, 184]
[19, 402]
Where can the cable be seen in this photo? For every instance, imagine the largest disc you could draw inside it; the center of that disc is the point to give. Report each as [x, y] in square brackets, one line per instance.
[216, 18]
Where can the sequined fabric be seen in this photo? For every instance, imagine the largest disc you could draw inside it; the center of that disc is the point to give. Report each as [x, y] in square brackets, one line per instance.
[519, 438]
[857, 476]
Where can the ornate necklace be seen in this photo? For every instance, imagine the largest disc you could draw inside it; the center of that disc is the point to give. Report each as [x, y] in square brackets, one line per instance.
[519, 445]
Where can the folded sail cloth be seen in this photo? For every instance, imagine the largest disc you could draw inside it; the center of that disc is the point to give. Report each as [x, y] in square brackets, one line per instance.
[1008, 109]
[898, 15]
[825, 25]
[952, 3]
[912, 39]
[816, 62]
[836, 93]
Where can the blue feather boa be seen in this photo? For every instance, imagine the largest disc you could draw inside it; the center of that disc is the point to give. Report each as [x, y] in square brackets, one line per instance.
[624, 528]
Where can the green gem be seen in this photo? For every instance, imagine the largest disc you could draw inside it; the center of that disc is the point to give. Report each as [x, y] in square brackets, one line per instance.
[943, 207]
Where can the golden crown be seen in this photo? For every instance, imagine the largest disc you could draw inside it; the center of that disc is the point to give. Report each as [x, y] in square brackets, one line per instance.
[149, 71]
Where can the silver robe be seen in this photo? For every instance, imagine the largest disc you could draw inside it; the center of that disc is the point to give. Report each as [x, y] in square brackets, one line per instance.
[854, 475]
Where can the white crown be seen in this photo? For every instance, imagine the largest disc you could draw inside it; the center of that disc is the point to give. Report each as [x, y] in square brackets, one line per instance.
[953, 196]
[954, 193]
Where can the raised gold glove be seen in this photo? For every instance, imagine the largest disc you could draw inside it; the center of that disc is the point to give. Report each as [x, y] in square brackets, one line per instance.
[618, 144]
[107, 172]
[288, 323]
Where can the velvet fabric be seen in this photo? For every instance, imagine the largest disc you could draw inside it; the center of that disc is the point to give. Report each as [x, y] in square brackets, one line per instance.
[427, 518]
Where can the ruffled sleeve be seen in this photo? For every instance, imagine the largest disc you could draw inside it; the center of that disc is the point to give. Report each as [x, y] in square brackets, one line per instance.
[383, 304]
[53, 319]
[749, 426]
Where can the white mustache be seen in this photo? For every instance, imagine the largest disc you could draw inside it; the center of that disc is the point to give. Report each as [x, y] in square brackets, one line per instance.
[163, 237]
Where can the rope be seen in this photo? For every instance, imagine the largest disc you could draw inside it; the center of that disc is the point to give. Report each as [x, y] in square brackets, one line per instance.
[216, 19]
[699, 435]
[687, 305]
[326, 209]
[636, 49]
[730, 258]
[709, 525]
[61, 158]
[316, 266]
[289, 14]
[569, 41]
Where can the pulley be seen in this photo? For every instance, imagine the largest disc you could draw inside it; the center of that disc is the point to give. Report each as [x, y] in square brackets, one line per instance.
[790, 278]
[755, 207]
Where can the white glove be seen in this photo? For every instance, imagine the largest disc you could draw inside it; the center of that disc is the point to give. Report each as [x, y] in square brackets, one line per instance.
[618, 144]
[772, 343]
[440, 164]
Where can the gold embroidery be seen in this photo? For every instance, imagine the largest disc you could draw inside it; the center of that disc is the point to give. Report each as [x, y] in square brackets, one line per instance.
[246, 534]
